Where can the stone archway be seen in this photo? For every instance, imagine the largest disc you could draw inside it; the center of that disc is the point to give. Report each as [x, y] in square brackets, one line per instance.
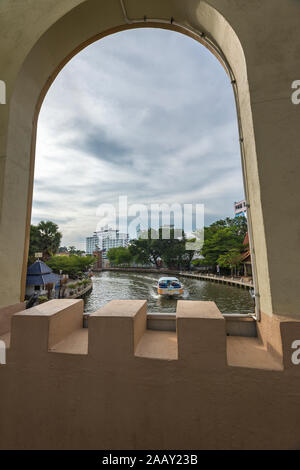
[240, 34]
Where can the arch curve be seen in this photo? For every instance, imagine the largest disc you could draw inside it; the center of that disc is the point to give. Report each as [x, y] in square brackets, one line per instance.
[87, 22]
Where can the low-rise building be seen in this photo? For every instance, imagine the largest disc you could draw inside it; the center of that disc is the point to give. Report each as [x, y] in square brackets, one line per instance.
[240, 208]
[40, 278]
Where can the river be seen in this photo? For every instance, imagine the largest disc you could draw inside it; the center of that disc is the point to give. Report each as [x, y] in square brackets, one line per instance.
[130, 285]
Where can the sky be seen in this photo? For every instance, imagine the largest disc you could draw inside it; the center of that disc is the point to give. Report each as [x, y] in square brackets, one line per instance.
[146, 113]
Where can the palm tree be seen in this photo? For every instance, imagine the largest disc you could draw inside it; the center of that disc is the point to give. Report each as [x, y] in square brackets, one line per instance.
[49, 238]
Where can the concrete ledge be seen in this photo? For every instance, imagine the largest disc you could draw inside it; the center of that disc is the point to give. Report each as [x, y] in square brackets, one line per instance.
[5, 316]
[167, 322]
[201, 333]
[122, 330]
[75, 343]
[158, 345]
[102, 379]
[250, 353]
[245, 327]
[161, 322]
[278, 333]
[116, 328]
[38, 329]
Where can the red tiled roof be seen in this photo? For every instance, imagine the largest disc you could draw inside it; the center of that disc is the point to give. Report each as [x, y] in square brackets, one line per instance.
[245, 256]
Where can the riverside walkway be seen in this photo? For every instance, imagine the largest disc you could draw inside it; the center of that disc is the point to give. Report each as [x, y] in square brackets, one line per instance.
[220, 279]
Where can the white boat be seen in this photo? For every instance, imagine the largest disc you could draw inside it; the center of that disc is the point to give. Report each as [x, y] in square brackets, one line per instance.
[169, 286]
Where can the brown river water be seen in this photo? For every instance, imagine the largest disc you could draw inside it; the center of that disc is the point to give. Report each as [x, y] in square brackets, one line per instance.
[134, 285]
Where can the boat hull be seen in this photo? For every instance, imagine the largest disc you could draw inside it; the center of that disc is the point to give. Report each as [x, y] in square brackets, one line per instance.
[170, 291]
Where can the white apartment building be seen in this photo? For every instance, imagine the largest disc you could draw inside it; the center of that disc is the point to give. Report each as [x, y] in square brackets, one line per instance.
[92, 244]
[105, 239]
[111, 238]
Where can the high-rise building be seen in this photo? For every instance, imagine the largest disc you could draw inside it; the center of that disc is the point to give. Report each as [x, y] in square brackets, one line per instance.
[141, 233]
[111, 238]
[105, 239]
[240, 208]
[92, 244]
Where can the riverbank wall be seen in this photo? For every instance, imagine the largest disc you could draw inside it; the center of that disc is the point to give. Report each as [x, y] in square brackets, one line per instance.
[238, 282]
[82, 293]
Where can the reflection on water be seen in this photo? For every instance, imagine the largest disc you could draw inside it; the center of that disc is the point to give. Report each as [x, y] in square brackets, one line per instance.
[123, 285]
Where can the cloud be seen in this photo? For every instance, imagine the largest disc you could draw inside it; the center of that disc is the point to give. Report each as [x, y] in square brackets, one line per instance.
[145, 113]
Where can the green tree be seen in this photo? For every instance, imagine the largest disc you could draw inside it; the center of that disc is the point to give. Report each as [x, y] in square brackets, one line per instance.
[146, 251]
[171, 251]
[73, 265]
[72, 250]
[50, 238]
[231, 259]
[63, 249]
[60, 263]
[44, 238]
[119, 255]
[221, 237]
[34, 244]
[189, 255]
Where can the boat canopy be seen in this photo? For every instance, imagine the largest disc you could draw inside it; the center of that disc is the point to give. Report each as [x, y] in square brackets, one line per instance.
[162, 279]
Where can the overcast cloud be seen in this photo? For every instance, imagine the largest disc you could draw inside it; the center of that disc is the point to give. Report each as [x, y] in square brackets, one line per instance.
[144, 113]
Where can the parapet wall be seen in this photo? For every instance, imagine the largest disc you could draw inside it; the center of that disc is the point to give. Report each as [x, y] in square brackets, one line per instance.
[118, 385]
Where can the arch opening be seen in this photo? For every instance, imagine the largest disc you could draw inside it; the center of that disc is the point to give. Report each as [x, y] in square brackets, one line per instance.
[172, 112]
[51, 63]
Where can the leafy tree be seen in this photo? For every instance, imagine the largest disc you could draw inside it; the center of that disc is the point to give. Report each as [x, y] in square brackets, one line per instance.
[63, 249]
[222, 237]
[147, 250]
[73, 265]
[189, 255]
[34, 244]
[171, 251]
[50, 238]
[119, 255]
[231, 260]
[83, 263]
[237, 224]
[72, 250]
[44, 238]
